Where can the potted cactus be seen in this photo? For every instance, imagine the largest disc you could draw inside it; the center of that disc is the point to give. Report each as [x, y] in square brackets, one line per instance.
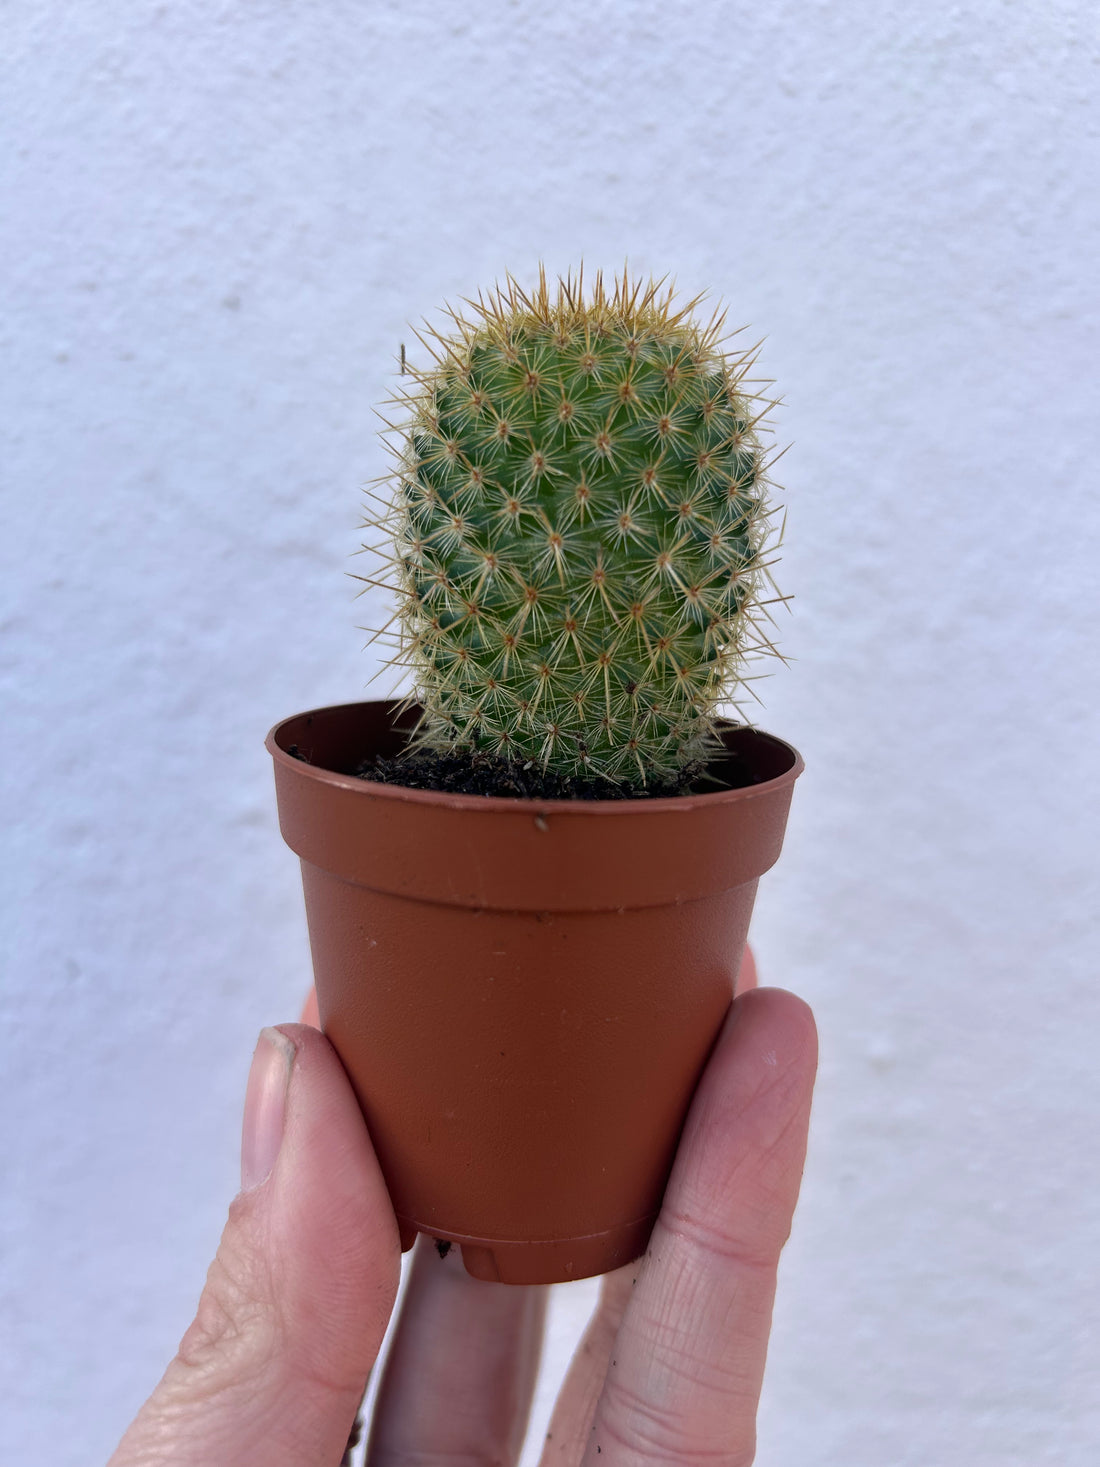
[528, 881]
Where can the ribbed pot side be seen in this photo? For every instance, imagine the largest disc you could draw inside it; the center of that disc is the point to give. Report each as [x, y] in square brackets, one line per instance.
[523, 992]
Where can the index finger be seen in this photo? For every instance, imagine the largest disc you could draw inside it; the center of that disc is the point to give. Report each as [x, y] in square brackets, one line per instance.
[310, 1014]
[685, 1373]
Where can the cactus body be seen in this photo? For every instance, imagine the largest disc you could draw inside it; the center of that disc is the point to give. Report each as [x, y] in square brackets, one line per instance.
[579, 527]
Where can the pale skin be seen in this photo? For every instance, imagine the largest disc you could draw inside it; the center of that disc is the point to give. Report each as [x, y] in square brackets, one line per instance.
[296, 1303]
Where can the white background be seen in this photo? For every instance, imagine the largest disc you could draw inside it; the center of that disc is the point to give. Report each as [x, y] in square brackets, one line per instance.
[218, 220]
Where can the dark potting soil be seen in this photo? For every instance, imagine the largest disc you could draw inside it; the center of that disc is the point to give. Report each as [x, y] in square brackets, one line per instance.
[474, 773]
[481, 774]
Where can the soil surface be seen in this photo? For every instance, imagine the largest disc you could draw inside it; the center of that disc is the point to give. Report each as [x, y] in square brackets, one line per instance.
[481, 774]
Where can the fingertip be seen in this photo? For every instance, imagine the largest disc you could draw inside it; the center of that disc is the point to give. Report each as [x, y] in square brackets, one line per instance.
[790, 1016]
[331, 1204]
[754, 1098]
[310, 1012]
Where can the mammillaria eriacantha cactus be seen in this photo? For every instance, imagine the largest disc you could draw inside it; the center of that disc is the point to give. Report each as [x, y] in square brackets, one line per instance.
[577, 530]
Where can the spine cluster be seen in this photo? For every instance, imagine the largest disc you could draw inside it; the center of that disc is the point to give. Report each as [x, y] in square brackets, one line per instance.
[577, 530]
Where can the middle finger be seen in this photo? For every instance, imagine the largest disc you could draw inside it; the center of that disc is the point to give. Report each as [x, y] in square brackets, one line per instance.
[461, 1372]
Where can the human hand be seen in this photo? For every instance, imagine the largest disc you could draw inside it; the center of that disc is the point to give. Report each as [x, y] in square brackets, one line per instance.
[297, 1300]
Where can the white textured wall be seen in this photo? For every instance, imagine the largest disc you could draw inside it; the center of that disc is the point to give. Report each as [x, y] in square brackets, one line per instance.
[218, 220]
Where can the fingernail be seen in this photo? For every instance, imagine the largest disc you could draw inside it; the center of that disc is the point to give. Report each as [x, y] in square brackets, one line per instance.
[265, 1107]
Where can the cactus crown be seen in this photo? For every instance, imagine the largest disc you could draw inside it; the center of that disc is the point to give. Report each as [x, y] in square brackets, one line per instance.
[577, 530]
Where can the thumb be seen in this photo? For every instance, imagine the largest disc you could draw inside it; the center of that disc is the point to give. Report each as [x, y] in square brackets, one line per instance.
[297, 1300]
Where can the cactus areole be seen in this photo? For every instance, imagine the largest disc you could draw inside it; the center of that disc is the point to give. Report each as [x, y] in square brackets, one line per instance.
[577, 531]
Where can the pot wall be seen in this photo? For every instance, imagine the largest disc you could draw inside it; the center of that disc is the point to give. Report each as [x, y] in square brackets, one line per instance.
[524, 993]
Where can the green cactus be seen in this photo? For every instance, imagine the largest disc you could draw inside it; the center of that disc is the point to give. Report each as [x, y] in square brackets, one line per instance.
[578, 526]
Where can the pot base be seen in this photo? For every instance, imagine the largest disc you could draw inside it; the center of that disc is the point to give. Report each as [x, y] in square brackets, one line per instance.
[547, 1261]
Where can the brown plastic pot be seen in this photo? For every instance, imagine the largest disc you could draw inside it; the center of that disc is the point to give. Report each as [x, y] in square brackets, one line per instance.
[523, 992]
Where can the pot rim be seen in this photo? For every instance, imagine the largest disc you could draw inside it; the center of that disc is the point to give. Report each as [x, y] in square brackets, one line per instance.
[489, 804]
